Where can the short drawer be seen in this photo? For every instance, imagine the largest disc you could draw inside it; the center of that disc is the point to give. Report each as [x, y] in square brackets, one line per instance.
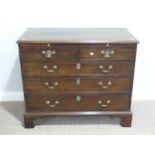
[76, 84]
[77, 102]
[41, 52]
[48, 54]
[78, 68]
[108, 53]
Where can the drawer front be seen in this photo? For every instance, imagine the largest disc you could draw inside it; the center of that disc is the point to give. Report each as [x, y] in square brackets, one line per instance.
[55, 53]
[71, 84]
[78, 102]
[78, 68]
[111, 53]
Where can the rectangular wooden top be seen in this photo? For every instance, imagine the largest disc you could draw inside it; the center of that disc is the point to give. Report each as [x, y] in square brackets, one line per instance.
[77, 35]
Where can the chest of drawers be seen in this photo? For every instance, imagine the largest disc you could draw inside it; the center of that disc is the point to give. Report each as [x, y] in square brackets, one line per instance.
[77, 72]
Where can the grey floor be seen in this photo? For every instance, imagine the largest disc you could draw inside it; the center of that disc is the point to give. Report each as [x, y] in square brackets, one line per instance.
[11, 117]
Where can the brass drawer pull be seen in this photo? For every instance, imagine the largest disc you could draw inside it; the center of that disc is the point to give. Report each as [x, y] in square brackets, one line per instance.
[107, 53]
[109, 83]
[52, 105]
[91, 53]
[54, 67]
[110, 67]
[78, 66]
[48, 53]
[48, 45]
[78, 98]
[51, 87]
[101, 103]
[78, 81]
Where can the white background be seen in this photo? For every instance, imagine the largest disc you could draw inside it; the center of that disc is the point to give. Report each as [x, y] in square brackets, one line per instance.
[77, 145]
[18, 15]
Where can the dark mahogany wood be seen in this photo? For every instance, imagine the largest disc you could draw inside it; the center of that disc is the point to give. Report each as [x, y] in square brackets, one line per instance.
[77, 84]
[68, 102]
[77, 35]
[70, 52]
[68, 68]
[126, 120]
[125, 116]
[51, 83]
[28, 121]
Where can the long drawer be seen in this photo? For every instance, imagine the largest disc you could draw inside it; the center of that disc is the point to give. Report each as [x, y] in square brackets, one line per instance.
[78, 102]
[41, 52]
[76, 84]
[64, 68]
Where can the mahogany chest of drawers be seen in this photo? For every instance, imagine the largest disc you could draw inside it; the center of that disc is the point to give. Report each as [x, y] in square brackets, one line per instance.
[77, 72]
